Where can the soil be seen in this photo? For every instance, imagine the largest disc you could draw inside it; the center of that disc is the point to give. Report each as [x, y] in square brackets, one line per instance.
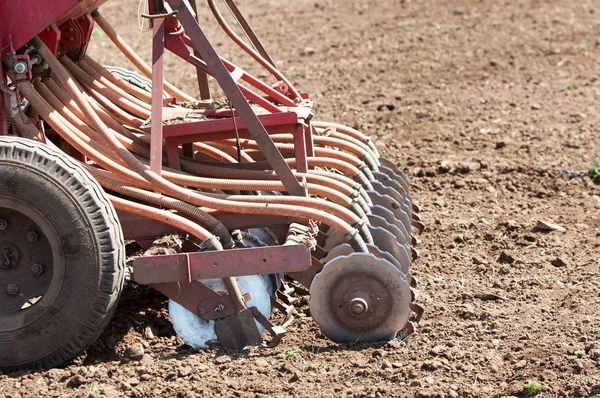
[492, 108]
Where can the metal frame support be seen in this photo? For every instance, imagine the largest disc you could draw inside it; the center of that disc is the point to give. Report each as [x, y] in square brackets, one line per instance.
[3, 116]
[158, 50]
[201, 43]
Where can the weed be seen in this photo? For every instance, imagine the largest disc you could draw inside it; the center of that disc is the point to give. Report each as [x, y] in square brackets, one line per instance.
[225, 373]
[294, 74]
[595, 172]
[571, 86]
[95, 390]
[553, 278]
[581, 46]
[292, 352]
[563, 159]
[531, 389]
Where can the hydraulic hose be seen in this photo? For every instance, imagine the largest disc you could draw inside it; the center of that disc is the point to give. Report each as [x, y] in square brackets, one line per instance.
[136, 167]
[134, 58]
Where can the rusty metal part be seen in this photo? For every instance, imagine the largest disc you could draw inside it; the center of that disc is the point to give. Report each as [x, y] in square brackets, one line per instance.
[238, 331]
[360, 298]
[186, 267]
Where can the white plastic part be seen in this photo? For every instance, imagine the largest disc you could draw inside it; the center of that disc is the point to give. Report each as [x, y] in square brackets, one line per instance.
[196, 332]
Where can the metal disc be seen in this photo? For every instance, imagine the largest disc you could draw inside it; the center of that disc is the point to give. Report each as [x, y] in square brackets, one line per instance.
[360, 297]
[390, 203]
[385, 241]
[374, 250]
[387, 181]
[196, 332]
[341, 250]
[378, 221]
[334, 238]
[390, 173]
[383, 190]
[389, 217]
[394, 168]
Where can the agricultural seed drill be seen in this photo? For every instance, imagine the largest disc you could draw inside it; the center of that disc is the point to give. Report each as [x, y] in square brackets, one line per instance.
[91, 157]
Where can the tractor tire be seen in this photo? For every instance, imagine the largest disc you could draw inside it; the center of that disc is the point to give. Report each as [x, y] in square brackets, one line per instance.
[133, 78]
[62, 257]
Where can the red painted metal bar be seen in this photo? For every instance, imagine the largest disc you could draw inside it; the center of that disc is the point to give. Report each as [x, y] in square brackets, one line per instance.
[156, 130]
[142, 229]
[255, 55]
[249, 31]
[178, 45]
[186, 267]
[201, 75]
[300, 148]
[235, 95]
[3, 116]
[218, 129]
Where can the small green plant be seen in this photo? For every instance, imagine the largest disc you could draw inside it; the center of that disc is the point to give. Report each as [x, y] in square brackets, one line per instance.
[553, 278]
[95, 390]
[571, 86]
[292, 352]
[531, 389]
[225, 373]
[581, 46]
[294, 74]
[595, 172]
[563, 159]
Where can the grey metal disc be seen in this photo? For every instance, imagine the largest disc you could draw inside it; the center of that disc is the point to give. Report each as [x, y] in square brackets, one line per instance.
[390, 173]
[389, 217]
[374, 250]
[380, 222]
[341, 250]
[196, 332]
[360, 297]
[392, 205]
[394, 167]
[385, 241]
[334, 238]
[384, 190]
[387, 181]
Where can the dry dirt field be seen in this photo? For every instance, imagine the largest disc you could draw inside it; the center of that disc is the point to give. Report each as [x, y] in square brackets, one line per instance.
[492, 107]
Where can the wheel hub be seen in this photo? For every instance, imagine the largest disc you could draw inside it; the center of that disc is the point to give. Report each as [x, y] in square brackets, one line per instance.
[26, 259]
[9, 256]
[359, 297]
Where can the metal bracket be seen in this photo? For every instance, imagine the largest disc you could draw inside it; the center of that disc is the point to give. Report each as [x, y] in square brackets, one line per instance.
[257, 130]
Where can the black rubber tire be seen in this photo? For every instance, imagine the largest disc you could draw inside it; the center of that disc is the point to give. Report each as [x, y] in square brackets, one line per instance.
[91, 254]
[132, 77]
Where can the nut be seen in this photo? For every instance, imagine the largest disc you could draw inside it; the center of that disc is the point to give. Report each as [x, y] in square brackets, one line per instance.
[37, 269]
[32, 236]
[3, 224]
[12, 289]
[20, 67]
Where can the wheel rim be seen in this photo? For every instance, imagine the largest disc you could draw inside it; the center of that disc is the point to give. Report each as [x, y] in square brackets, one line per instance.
[32, 271]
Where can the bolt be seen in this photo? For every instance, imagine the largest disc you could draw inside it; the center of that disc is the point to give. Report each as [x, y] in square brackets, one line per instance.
[20, 67]
[37, 269]
[201, 311]
[32, 236]
[358, 306]
[12, 289]
[3, 224]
